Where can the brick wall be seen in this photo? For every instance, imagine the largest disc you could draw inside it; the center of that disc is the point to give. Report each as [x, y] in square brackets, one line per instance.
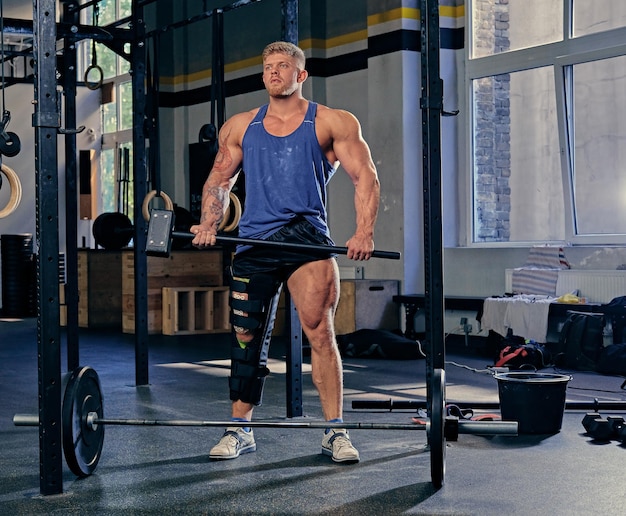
[492, 142]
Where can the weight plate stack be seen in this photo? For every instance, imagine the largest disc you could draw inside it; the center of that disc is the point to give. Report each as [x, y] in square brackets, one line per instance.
[17, 265]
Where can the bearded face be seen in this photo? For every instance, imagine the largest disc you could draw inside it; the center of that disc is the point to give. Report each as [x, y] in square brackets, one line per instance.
[281, 75]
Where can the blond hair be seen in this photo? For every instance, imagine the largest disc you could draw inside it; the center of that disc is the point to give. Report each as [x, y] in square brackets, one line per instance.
[283, 47]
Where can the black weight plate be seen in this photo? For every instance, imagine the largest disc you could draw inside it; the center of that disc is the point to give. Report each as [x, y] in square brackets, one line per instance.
[82, 444]
[436, 434]
[112, 230]
[11, 145]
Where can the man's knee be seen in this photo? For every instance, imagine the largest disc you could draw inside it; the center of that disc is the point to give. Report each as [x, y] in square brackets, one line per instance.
[253, 305]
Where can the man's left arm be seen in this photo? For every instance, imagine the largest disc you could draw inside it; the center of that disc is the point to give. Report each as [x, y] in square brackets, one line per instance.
[355, 157]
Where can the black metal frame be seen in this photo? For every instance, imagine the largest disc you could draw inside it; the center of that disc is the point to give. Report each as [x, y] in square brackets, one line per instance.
[47, 121]
[71, 16]
[47, 124]
[431, 104]
[289, 32]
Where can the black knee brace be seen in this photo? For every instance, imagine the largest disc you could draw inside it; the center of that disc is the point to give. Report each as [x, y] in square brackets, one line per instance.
[249, 360]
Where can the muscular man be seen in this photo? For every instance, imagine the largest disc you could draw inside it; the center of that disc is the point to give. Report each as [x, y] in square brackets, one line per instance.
[288, 150]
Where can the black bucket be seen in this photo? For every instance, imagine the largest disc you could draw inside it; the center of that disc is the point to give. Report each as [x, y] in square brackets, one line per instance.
[535, 400]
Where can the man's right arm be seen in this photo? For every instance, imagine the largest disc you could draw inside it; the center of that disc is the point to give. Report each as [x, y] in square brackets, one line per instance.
[222, 177]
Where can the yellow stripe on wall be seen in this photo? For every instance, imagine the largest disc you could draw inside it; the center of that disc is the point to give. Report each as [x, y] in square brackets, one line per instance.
[323, 44]
[337, 41]
[412, 13]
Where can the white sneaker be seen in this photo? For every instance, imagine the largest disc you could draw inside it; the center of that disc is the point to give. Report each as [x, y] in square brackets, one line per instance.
[233, 443]
[336, 444]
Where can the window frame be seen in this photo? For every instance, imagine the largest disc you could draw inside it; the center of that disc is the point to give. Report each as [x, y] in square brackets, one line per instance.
[120, 137]
[561, 56]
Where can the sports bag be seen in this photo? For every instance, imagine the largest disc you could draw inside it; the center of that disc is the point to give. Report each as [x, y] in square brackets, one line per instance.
[580, 341]
[521, 356]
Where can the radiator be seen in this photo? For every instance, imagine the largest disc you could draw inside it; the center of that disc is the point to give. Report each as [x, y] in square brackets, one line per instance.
[596, 286]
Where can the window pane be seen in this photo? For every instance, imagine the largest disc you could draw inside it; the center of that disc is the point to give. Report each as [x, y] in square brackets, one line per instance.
[109, 117]
[125, 8]
[107, 12]
[125, 183]
[518, 193]
[598, 16]
[500, 26]
[123, 64]
[107, 60]
[116, 179]
[126, 105]
[107, 180]
[600, 153]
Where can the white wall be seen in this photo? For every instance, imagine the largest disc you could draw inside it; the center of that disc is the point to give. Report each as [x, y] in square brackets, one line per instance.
[19, 102]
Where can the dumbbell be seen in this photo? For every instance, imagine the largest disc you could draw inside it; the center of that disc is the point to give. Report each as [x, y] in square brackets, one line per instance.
[603, 429]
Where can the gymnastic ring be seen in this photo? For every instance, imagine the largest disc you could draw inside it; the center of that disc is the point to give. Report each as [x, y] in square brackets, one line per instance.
[234, 200]
[225, 218]
[16, 191]
[145, 208]
[93, 85]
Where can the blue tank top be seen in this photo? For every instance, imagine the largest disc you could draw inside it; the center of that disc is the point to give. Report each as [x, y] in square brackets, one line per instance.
[285, 177]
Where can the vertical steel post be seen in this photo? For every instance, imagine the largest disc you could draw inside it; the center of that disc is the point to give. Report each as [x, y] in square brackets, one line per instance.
[431, 104]
[71, 16]
[140, 189]
[289, 21]
[47, 121]
[293, 377]
[289, 29]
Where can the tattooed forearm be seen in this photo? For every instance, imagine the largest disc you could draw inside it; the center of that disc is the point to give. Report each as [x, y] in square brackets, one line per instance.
[222, 177]
[215, 200]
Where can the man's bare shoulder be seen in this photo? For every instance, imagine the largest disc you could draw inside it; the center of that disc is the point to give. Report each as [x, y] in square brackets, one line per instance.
[236, 125]
[337, 119]
[242, 119]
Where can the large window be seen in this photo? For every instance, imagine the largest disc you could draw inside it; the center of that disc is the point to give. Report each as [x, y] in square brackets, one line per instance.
[599, 104]
[116, 186]
[548, 111]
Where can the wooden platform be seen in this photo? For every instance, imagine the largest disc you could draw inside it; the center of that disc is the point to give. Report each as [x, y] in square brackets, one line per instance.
[189, 311]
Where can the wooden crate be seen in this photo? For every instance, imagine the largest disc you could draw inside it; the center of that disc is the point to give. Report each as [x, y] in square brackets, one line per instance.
[183, 268]
[83, 289]
[363, 304]
[195, 310]
[367, 304]
[99, 287]
[62, 305]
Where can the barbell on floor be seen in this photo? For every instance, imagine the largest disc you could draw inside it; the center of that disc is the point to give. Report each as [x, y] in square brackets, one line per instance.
[391, 404]
[464, 427]
[83, 425]
[161, 231]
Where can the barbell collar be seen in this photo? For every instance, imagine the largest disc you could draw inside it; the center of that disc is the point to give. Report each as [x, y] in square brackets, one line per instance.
[25, 420]
[488, 427]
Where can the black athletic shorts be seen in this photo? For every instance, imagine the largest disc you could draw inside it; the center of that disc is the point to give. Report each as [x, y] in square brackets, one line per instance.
[281, 262]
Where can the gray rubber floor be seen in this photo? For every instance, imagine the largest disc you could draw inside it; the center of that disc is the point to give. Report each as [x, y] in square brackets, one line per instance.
[164, 470]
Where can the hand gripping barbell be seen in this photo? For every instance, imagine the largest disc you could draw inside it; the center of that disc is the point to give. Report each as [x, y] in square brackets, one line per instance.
[161, 231]
[114, 230]
[83, 424]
